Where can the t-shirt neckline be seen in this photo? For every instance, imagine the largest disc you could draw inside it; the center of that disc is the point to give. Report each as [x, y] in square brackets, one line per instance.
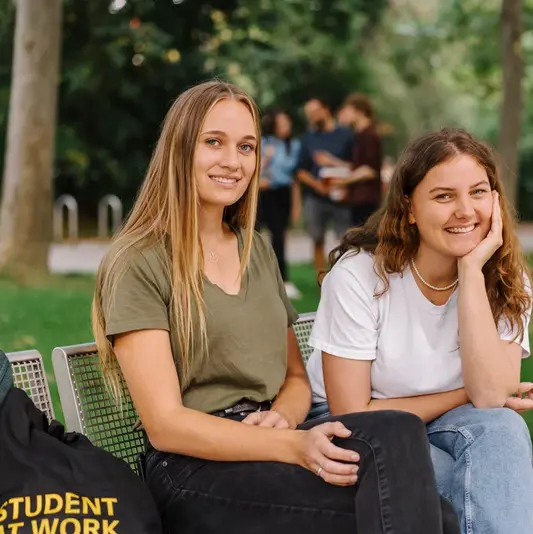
[241, 295]
[431, 308]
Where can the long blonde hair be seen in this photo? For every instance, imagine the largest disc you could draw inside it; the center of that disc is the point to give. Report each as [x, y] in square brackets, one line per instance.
[166, 211]
[394, 242]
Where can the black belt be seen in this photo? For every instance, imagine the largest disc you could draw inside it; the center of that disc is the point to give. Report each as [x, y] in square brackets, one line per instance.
[244, 407]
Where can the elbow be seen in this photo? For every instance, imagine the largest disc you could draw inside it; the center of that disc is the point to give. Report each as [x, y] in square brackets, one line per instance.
[158, 438]
[159, 432]
[489, 403]
[489, 400]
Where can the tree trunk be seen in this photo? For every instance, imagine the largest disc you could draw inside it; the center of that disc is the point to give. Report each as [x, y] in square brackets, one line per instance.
[511, 110]
[26, 209]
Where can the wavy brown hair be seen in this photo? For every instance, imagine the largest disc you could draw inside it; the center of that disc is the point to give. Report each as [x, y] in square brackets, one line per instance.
[394, 242]
[166, 212]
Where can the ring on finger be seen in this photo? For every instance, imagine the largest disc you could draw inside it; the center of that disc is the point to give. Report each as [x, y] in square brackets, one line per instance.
[318, 471]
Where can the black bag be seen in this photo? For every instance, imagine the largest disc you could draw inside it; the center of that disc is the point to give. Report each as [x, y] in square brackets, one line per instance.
[52, 482]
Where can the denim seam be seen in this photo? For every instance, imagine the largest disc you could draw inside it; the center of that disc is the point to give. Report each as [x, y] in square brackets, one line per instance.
[384, 497]
[468, 501]
[184, 491]
[468, 475]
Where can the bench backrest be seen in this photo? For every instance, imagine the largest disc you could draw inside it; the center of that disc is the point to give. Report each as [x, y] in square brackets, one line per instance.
[89, 409]
[29, 375]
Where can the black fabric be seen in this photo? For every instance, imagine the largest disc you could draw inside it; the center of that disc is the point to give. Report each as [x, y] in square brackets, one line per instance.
[396, 492]
[52, 482]
[274, 213]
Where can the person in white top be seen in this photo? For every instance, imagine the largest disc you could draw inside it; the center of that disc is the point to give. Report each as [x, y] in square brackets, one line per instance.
[426, 310]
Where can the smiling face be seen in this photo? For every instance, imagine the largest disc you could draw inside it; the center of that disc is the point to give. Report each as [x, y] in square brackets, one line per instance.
[226, 154]
[452, 207]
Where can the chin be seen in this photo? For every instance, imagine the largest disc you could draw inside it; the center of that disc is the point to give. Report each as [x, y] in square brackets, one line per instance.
[463, 250]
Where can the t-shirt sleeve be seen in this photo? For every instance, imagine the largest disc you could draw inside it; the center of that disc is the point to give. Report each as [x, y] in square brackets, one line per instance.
[346, 323]
[138, 302]
[511, 334]
[292, 314]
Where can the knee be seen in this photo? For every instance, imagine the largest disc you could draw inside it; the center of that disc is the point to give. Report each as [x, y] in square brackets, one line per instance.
[505, 426]
[387, 423]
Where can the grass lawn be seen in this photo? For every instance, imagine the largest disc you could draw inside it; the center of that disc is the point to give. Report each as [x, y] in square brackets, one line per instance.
[58, 313]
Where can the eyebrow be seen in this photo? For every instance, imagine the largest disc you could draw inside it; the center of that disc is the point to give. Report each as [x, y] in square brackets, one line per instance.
[483, 182]
[224, 134]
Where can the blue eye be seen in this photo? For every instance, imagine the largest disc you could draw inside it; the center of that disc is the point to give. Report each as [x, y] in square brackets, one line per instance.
[479, 191]
[212, 142]
[247, 147]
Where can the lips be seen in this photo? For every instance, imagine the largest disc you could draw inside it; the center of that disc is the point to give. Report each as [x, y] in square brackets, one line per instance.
[462, 229]
[225, 180]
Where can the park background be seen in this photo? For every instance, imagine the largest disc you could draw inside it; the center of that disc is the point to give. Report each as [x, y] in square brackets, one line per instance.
[84, 103]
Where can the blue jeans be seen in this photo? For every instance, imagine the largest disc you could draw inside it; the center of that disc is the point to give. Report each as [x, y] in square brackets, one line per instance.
[483, 466]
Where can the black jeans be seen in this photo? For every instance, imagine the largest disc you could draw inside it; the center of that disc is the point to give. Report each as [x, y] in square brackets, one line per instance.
[274, 213]
[395, 494]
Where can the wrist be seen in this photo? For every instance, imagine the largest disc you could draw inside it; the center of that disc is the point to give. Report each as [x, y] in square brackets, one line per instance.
[468, 270]
[290, 447]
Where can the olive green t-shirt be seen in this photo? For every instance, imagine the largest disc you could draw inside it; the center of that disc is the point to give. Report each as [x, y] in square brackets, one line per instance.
[246, 333]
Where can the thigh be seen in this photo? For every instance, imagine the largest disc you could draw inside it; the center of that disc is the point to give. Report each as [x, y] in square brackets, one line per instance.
[443, 464]
[315, 218]
[285, 203]
[197, 496]
[465, 425]
[341, 217]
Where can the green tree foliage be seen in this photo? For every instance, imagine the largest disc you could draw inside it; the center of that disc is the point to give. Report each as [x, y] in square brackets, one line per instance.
[124, 62]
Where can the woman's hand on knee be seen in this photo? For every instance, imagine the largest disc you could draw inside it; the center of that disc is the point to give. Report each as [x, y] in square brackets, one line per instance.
[317, 453]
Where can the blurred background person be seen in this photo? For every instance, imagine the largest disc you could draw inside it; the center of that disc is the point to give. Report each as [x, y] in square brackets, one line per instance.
[280, 200]
[363, 187]
[325, 137]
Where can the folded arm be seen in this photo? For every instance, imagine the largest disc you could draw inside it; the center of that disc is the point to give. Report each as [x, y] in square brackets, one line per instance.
[348, 390]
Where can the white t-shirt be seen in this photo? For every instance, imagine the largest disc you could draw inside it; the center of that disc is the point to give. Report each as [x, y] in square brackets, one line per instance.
[413, 344]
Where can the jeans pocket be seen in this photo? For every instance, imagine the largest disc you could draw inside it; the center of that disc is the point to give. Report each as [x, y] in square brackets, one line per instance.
[178, 469]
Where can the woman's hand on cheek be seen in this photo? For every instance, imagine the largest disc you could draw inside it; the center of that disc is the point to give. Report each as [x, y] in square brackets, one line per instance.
[492, 242]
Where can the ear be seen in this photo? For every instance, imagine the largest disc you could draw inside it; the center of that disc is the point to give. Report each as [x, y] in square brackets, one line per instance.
[410, 215]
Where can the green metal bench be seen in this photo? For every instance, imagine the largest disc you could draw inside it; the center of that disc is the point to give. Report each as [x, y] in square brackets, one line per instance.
[89, 409]
[29, 375]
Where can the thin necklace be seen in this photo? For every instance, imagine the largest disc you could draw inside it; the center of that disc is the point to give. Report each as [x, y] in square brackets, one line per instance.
[435, 288]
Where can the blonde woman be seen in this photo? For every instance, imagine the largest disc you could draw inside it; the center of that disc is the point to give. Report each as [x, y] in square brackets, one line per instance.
[426, 310]
[191, 310]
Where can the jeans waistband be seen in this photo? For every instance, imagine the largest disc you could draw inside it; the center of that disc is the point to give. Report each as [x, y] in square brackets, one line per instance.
[243, 407]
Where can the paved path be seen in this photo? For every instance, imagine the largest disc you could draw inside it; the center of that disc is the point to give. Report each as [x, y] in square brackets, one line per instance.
[85, 256]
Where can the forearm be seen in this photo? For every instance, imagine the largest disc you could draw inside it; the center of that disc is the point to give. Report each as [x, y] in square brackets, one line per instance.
[489, 376]
[337, 162]
[200, 435]
[427, 407]
[294, 400]
[362, 174]
[305, 177]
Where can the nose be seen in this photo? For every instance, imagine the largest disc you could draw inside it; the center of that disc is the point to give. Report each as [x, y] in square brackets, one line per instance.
[230, 159]
[464, 208]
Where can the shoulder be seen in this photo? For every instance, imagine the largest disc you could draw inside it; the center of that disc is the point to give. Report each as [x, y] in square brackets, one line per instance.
[307, 138]
[353, 269]
[147, 260]
[344, 132]
[260, 244]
